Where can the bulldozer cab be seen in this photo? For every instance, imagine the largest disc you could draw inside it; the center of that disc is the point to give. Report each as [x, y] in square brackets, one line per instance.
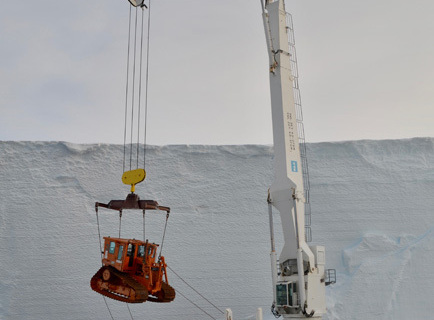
[132, 273]
[128, 255]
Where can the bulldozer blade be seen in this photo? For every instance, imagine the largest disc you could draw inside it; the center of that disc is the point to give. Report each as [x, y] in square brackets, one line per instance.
[166, 294]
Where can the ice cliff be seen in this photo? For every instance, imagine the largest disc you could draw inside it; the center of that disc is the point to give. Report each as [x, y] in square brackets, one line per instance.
[372, 207]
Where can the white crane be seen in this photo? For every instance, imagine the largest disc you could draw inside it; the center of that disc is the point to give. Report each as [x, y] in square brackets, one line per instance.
[299, 276]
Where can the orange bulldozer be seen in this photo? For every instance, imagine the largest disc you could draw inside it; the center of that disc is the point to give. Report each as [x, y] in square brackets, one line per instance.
[131, 270]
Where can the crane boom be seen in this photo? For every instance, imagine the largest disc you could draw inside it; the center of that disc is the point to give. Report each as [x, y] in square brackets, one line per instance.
[299, 288]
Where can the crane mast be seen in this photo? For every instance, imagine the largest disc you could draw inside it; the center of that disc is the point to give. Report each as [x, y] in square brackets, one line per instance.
[299, 275]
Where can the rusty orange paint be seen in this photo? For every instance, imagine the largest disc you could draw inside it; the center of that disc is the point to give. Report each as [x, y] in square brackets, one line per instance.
[132, 272]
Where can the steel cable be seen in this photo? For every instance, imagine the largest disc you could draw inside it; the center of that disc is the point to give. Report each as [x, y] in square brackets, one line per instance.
[120, 222]
[99, 233]
[108, 309]
[178, 292]
[195, 290]
[125, 124]
[128, 307]
[126, 89]
[164, 235]
[144, 211]
[133, 90]
[147, 86]
[140, 92]
[100, 250]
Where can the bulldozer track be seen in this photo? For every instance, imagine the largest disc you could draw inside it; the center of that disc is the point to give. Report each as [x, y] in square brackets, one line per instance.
[98, 284]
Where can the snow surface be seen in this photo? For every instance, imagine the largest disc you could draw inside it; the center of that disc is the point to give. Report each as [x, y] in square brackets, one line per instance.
[372, 204]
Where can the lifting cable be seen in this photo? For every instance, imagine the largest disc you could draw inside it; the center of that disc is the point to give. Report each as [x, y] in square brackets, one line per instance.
[177, 291]
[126, 89]
[221, 311]
[164, 234]
[140, 92]
[100, 250]
[147, 81]
[134, 85]
[139, 102]
[120, 222]
[110, 313]
[130, 312]
[144, 238]
[99, 233]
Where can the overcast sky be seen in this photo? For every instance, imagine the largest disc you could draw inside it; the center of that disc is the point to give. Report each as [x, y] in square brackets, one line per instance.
[366, 70]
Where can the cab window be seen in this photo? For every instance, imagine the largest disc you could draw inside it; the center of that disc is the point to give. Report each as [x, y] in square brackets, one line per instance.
[282, 294]
[112, 247]
[130, 250]
[141, 251]
[120, 252]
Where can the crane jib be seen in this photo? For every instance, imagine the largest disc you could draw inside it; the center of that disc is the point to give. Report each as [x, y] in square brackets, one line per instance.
[298, 276]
